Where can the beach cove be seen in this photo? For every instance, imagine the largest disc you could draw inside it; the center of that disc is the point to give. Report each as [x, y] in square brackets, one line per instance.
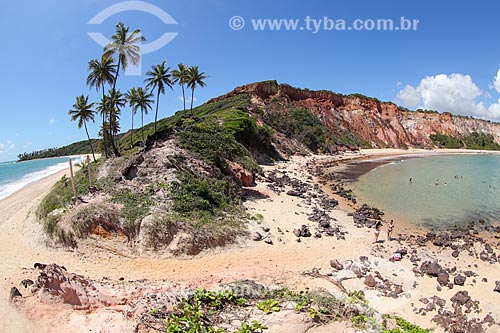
[282, 263]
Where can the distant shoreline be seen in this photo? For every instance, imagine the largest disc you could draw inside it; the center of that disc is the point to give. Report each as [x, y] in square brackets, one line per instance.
[49, 172]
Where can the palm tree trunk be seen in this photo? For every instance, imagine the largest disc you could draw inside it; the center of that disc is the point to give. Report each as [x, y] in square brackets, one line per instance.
[157, 104]
[192, 99]
[142, 123]
[183, 97]
[90, 142]
[132, 134]
[113, 144]
[104, 141]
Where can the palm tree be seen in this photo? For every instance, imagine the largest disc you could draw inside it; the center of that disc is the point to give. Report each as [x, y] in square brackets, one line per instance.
[124, 44]
[194, 79]
[130, 96]
[82, 111]
[115, 102]
[179, 75]
[139, 98]
[101, 72]
[158, 77]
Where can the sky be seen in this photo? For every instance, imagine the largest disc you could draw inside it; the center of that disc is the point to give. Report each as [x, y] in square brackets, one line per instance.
[448, 63]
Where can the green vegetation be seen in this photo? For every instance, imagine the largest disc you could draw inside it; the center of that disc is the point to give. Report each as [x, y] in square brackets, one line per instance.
[195, 195]
[306, 128]
[359, 321]
[135, 207]
[426, 111]
[473, 141]
[199, 313]
[405, 327]
[77, 148]
[269, 306]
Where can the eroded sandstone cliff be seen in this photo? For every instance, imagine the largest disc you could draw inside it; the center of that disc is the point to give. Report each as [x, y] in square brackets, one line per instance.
[379, 124]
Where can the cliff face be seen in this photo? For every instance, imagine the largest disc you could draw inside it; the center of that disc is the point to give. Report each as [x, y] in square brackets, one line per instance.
[380, 124]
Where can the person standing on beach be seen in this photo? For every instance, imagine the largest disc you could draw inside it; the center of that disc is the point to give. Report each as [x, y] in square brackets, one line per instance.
[378, 227]
[390, 228]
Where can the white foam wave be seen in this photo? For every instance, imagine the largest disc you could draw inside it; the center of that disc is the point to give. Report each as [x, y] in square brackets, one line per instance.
[14, 186]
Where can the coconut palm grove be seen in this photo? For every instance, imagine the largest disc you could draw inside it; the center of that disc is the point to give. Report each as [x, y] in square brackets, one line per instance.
[104, 74]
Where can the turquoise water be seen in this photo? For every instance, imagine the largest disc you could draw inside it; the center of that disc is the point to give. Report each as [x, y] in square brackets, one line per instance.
[14, 176]
[468, 189]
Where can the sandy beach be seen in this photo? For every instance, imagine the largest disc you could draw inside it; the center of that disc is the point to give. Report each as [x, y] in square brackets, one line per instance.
[282, 264]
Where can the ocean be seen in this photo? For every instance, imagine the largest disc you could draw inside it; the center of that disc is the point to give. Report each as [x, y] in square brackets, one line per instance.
[444, 190]
[16, 175]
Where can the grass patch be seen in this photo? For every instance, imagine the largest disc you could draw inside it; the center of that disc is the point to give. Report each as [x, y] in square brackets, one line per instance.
[135, 207]
[406, 327]
[192, 194]
[202, 311]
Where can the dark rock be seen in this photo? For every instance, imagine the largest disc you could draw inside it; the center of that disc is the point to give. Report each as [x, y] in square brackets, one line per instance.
[430, 307]
[403, 252]
[439, 242]
[497, 286]
[459, 280]
[455, 234]
[294, 193]
[443, 278]
[438, 301]
[334, 263]
[363, 258]
[488, 248]
[26, 283]
[461, 297]
[302, 232]
[469, 273]
[433, 269]
[455, 254]
[266, 229]
[370, 281]
[39, 266]
[268, 241]
[356, 270]
[257, 236]
[488, 320]
[14, 292]
[484, 256]
[424, 300]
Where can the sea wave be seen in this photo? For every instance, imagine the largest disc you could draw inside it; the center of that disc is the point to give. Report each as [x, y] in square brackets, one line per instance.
[9, 188]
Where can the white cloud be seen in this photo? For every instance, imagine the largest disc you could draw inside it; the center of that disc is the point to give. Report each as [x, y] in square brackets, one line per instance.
[455, 93]
[409, 96]
[496, 82]
[2, 147]
[188, 99]
[52, 120]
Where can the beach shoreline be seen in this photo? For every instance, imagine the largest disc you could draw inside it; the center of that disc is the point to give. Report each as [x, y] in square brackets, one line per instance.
[282, 264]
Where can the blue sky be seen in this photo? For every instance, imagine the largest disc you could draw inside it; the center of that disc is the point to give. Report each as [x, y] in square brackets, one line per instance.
[450, 63]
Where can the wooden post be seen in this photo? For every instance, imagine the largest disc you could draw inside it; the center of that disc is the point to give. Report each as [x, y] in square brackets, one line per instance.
[88, 166]
[72, 177]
